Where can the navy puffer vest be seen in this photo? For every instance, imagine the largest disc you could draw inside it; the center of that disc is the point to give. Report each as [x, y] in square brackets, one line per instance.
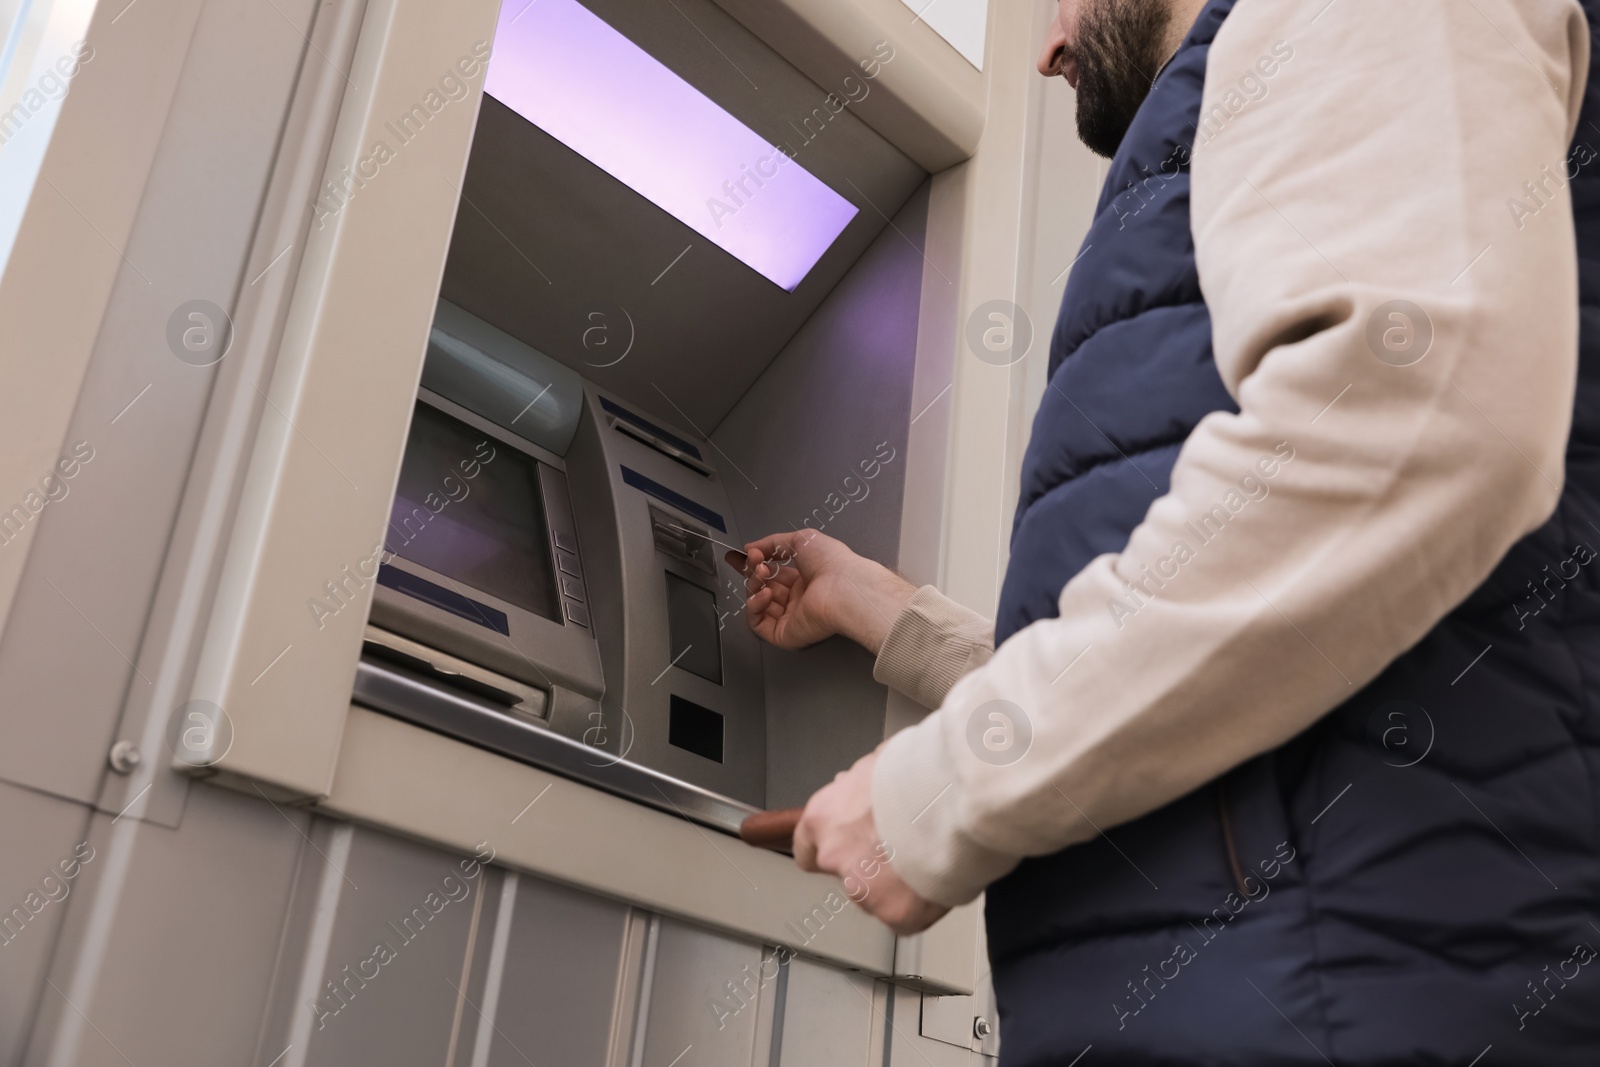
[1449, 899]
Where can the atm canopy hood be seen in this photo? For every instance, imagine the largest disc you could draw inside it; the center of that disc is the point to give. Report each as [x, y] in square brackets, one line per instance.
[563, 68]
[594, 263]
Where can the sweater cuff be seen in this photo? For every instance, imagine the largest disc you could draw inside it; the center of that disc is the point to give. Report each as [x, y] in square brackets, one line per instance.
[917, 800]
[932, 643]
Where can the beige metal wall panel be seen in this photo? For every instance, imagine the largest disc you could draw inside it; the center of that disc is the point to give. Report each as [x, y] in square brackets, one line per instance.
[963, 23]
[995, 224]
[827, 1019]
[556, 963]
[416, 782]
[697, 1011]
[910, 1048]
[387, 976]
[316, 498]
[948, 958]
[73, 658]
[275, 224]
[66, 255]
[927, 101]
[43, 844]
[1025, 197]
[167, 953]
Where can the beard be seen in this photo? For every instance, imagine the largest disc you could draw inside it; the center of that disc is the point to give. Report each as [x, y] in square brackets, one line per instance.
[1119, 51]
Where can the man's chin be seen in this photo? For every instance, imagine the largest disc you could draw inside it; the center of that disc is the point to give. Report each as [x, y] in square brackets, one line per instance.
[1099, 133]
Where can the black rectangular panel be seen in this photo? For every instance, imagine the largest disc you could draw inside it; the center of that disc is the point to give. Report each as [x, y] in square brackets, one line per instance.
[695, 729]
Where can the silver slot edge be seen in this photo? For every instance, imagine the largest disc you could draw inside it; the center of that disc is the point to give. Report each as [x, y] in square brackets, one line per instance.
[523, 700]
[396, 691]
[650, 440]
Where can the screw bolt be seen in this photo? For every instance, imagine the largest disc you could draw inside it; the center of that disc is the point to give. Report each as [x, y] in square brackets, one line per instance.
[981, 1027]
[124, 757]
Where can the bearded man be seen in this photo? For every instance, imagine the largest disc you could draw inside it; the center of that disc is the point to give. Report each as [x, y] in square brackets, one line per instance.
[1282, 748]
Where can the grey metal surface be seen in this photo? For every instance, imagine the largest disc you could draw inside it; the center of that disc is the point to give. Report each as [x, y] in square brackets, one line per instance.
[390, 951]
[408, 696]
[817, 423]
[696, 971]
[43, 848]
[553, 957]
[167, 953]
[909, 1048]
[75, 630]
[502, 379]
[544, 240]
[827, 1018]
[628, 592]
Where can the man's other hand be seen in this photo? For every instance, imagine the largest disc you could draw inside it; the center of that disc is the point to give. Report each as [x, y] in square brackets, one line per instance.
[837, 835]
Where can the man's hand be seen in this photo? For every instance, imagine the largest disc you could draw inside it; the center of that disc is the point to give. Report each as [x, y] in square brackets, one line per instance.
[837, 835]
[805, 586]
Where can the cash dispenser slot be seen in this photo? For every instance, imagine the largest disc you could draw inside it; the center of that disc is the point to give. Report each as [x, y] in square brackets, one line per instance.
[664, 441]
[523, 701]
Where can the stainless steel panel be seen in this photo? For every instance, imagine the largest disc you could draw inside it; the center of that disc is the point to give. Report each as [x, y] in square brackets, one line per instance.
[704, 1003]
[77, 624]
[502, 379]
[552, 981]
[167, 951]
[628, 600]
[909, 1048]
[389, 968]
[411, 697]
[523, 701]
[827, 1018]
[43, 843]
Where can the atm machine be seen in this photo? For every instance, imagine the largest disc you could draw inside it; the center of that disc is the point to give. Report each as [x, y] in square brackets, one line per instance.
[414, 712]
[555, 589]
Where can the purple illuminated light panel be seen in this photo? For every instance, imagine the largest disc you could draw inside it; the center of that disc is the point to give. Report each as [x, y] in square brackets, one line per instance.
[560, 67]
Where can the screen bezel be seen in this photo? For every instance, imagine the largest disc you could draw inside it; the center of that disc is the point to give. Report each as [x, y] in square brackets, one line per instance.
[520, 563]
[538, 651]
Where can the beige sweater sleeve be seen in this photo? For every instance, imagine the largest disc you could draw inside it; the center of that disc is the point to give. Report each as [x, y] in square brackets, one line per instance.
[932, 644]
[1401, 339]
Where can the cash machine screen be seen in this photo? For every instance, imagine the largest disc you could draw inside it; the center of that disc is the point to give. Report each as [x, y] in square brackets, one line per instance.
[468, 506]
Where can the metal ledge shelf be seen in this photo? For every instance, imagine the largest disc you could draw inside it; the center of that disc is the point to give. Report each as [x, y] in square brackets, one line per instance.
[405, 695]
